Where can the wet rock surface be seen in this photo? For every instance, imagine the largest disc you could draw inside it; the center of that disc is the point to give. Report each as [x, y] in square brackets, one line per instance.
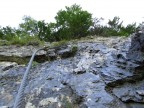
[100, 75]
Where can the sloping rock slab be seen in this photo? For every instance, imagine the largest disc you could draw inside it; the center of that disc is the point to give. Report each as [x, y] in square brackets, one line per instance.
[21, 55]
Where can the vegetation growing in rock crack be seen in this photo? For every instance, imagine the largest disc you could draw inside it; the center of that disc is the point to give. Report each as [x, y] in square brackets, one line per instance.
[74, 50]
[66, 103]
[59, 43]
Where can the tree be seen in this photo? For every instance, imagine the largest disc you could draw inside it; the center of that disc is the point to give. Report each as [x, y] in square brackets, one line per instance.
[97, 28]
[32, 27]
[115, 23]
[114, 26]
[129, 29]
[29, 26]
[8, 33]
[41, 29]
[1, 33]
[73, 22]
[45, 31]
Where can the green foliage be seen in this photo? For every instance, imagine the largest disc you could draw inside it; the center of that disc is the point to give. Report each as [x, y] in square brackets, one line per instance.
[114, 28]
[47, 32]
[67, 103]
[29, 26]
[72, 23]
[34, 64]
[7, 33]
[129, 29]
[41, 29]
[27, 40]
[115, 24]
[59, 43]
[97, 28]
[74, 50]
[1, 33]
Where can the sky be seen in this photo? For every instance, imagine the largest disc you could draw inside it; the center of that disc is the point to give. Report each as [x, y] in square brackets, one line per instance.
[12, 11]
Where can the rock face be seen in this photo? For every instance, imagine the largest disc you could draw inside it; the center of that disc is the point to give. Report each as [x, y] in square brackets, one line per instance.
[132, 88]
[18, 54]
[136, 51]
[21, 55]
[7, 65]
[100, 75]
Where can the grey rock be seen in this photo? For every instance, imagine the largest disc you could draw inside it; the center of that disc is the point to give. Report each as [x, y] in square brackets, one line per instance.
[79, 71]
[23, 51]
[64, 52]
[7, 65]
[136, 51]
[85, 80]
[113, 73]
[51, 53]
[4, 107]
[21, 55]
[130, 92]
[140, 92]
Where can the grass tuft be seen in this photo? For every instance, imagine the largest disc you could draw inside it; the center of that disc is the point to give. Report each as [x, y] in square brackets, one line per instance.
[27, 40]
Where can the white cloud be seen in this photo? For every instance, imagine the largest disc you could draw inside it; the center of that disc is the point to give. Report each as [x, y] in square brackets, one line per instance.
[12, 11]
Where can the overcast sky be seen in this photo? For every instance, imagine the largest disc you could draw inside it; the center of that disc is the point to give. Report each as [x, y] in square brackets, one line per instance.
[12, 11]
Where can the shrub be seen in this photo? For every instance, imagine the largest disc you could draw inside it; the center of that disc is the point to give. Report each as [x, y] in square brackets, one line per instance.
[74, 50]
[114, 28]
[72, 22]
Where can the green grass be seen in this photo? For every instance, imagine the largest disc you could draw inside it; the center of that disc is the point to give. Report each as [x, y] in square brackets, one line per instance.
[34, 64]
[66, 103]
[59, 43]
[27, 40]
[4, 43]
[21, 41]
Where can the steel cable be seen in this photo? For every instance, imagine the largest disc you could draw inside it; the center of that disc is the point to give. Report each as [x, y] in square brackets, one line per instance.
[20, 96]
